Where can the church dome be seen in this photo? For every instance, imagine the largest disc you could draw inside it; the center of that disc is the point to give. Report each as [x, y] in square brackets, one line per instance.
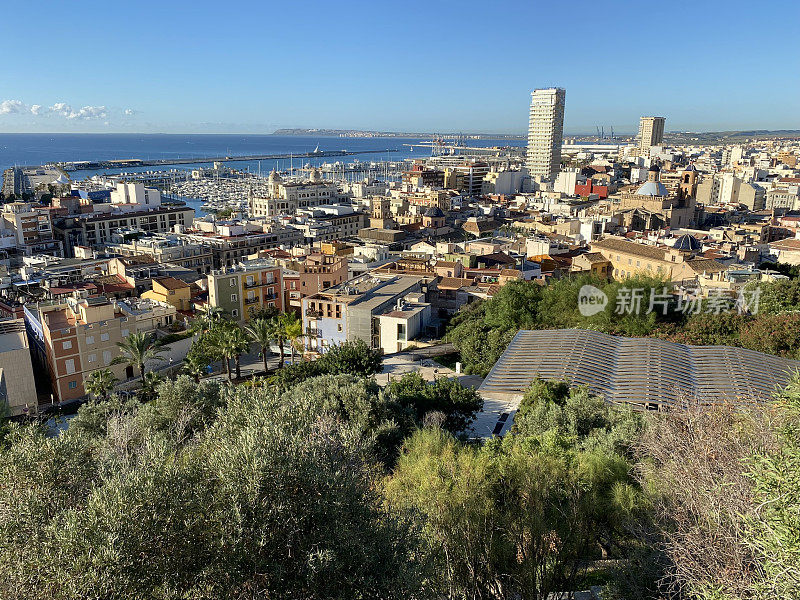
[688, 243]
[652, 188]
[434, 212]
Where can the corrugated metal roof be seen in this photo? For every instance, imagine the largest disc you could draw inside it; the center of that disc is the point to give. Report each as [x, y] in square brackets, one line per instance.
[643, 372]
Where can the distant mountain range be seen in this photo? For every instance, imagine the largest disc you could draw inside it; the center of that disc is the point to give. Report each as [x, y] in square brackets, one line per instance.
[729, 136]
[404, 134]
[674, 137]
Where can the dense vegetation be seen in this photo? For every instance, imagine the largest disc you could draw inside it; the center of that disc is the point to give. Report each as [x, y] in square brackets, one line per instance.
[481, 331]
[330, 487]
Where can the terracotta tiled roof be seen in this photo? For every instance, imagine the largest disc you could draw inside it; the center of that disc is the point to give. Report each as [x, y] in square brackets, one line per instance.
[171, 283]
[617, 245]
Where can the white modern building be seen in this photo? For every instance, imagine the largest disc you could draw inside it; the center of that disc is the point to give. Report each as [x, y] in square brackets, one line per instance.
[136, 193]
[651, 133]
[545, 132]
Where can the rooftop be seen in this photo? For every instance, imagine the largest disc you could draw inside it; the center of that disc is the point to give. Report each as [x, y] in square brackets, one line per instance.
[642, 372]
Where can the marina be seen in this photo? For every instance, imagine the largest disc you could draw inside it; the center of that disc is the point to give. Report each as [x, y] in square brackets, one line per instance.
[160, 162]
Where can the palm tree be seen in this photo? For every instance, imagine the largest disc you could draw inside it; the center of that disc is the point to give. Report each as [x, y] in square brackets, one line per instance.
[262, 333]
[207, 319]
[293, 328]
[136, 350]
[229, 340]
[279, 324]
[149, 382]
[194, 366]
[100, 383]
[238, 343]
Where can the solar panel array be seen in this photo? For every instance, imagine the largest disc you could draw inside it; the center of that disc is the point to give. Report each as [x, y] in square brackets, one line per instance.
[644, 372]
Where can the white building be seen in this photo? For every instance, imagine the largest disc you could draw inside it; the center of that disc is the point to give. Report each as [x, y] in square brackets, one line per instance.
[567, 180]
[651, 133]
[136, 193]
[545, 133]
[397, 328]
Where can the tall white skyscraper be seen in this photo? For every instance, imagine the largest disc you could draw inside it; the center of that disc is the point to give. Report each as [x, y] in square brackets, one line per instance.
[651, 133]
[545, 132]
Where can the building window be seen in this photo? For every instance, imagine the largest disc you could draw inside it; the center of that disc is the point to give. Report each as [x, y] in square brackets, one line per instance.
[401, 332]
[339, 327]
[72, 384]
[234, 298]
[90, 339]
[233, 282]
[66, 345]
[107, 357]
[104, 337]
[92, 358]
[235, 312]
[69, 365]
[125, 332]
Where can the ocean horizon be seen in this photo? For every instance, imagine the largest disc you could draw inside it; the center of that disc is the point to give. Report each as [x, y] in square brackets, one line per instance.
[26, 149]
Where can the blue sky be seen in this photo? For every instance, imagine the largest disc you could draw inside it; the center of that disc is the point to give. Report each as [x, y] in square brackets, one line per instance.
[174, 66]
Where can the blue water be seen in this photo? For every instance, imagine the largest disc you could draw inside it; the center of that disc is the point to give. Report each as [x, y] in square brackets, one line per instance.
[40, 148]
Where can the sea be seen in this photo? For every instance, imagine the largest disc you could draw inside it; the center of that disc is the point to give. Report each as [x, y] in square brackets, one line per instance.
[41, 148]
[25, 149]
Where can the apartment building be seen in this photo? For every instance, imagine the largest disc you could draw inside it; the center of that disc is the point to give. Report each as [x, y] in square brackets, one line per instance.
[678, 263]
[349, 311]
[170, 291]
[31, 228]
[251, 285]
[327, 223]
[651, 133]
[398, 327]
[232, 242]
[545, 133]
[167, 249]
[96, 229]
[80, 336]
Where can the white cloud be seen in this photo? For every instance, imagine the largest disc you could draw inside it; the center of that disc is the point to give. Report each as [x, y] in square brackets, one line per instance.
[88, 113]
[61, 109]
[8, 107]
[129, 112]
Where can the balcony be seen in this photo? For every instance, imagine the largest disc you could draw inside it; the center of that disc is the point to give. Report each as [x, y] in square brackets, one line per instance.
[253, 300]
[313, 314]
[270, 296]
[311, 332]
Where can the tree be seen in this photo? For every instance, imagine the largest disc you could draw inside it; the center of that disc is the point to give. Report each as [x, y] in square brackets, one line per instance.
[207, 319]
[264, 496]
[354, 357]
[100, 383]
[279, 334]
[238, 343]
[136, 350]
[260, 331]
[293, 328]
[693, 463]
[509, 518]
[227, 340]
[150, 381]
[457, 403]
[194, 365]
